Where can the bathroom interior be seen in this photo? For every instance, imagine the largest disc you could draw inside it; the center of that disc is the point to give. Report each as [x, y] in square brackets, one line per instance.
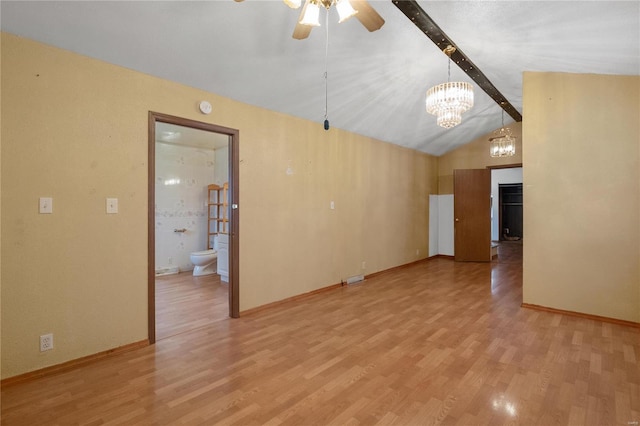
[191, 228]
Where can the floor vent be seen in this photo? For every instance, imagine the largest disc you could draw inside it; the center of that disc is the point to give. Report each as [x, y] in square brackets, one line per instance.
[355, 279]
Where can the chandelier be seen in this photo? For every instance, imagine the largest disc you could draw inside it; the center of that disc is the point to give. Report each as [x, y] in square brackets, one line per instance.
[447, 101]
[502, 143]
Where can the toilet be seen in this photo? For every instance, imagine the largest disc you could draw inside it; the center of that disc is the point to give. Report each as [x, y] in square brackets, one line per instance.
[204, 262]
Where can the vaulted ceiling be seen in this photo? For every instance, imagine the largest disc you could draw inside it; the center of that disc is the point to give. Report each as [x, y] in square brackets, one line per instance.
[376, 81]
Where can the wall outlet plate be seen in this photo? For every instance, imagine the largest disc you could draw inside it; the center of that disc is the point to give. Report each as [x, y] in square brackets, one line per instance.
[46, 342]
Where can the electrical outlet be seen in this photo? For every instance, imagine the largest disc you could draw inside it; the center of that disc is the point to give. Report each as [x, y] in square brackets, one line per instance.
[417, 252]
[364, 265]
[46, 342]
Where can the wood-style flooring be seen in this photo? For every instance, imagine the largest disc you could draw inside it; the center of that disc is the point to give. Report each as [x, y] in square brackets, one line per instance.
[185, 302]
[437, 342]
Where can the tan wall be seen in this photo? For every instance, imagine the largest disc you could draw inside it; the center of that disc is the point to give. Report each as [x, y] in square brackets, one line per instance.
[581, 193]
[475, 155]
[75, 129]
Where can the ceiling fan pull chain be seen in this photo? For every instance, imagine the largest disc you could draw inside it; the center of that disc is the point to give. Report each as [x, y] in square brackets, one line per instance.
[326, 75]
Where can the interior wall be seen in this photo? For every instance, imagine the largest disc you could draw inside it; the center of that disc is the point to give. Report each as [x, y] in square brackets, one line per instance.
[582, 193]
[475, 155]
[1, 370]
[75, 129]
[221, 166]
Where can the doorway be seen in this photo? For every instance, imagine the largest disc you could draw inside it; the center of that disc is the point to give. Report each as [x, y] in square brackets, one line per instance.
[510, 220]
[504, 175]
[211, 133]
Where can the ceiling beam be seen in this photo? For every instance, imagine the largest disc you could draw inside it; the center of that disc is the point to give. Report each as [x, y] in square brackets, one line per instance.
[424, 22]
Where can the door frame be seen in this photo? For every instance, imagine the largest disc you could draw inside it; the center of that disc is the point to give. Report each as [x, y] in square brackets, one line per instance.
[234, 177]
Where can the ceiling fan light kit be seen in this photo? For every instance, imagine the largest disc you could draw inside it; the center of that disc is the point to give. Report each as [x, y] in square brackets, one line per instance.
[311, 16]
[293, 4]
[345, 10]
[312, 10]
[447, 101]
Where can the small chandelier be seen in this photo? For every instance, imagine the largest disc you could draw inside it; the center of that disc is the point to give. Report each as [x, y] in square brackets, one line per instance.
[447, 101]
[502, 143]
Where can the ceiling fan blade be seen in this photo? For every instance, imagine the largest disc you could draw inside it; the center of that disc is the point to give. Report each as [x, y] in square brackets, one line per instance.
[301, 32]
[367, 15]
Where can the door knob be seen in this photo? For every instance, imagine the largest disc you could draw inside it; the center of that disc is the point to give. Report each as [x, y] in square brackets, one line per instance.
[457, 220]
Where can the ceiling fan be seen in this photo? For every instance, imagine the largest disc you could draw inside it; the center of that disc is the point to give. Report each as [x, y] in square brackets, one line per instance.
[361, 9]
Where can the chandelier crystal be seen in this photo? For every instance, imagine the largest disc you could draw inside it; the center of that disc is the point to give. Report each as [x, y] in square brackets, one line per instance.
[502, 143]
[447, 101]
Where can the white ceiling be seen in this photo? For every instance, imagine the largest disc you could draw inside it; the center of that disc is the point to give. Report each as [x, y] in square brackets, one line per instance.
[377, 81]
[186, 136]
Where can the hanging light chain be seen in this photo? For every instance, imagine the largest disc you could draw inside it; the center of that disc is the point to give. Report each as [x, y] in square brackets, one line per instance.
[326, 74]
[449, 51]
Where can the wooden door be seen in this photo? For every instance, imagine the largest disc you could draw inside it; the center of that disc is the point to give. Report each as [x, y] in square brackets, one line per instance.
[472, 215]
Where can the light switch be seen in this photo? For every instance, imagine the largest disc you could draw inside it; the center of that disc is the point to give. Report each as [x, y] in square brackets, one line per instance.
[46, 205]
[112, 205]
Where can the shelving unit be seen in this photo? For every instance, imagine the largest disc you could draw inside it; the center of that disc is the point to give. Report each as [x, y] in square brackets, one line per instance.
[217, 211]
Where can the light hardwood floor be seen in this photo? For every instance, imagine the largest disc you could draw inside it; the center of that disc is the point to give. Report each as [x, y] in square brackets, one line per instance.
[438, 342]
[185, 302]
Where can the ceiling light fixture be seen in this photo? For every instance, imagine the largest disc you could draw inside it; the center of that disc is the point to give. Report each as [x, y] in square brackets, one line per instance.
[432, 30]
[345, 10]
[311, 14]
[447, 101]
[502, 143]
[312, 10]
[293, 4]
